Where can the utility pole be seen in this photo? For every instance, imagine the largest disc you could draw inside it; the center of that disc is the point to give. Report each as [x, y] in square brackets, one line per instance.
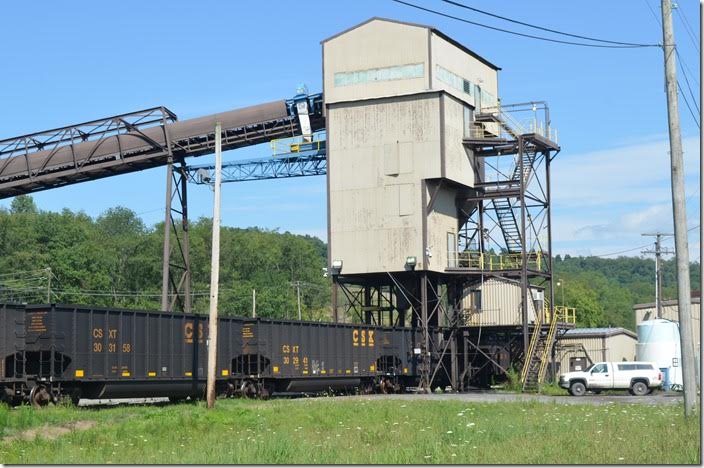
[680, 215]
[298, 294]
[48, 285]
[254, 303]
[658, 268]
[214, 273]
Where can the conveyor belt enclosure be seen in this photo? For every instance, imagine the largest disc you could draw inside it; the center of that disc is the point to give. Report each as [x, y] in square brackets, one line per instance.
[136, 141]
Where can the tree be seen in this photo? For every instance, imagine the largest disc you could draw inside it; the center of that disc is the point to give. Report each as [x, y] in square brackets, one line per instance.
[23, 204]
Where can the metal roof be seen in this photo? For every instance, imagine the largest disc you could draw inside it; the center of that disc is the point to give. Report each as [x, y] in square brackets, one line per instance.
[434, 30]
[650, 305]
[603, 331]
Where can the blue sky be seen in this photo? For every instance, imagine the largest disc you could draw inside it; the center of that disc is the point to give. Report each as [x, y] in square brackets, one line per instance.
[68, 63]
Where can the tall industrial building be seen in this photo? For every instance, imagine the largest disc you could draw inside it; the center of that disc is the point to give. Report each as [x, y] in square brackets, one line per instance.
[396, 116]
[434, 188]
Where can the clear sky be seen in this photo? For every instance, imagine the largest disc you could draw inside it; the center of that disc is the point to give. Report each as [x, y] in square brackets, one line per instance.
[65, 63]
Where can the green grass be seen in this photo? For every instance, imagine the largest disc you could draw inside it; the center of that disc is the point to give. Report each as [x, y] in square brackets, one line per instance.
[362, 431]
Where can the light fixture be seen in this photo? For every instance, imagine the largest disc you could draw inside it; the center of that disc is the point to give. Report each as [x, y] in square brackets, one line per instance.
[411, 262]
[337, 266]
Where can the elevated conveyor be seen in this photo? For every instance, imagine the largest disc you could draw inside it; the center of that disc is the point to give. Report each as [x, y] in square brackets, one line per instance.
[141, 140]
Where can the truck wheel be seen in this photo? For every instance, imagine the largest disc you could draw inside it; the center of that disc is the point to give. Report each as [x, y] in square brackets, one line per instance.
[578, 389]
[639, 388]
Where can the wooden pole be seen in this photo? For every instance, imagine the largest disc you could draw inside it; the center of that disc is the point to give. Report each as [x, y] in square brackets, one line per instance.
[214, 273]
[254, 303]
[680, 214]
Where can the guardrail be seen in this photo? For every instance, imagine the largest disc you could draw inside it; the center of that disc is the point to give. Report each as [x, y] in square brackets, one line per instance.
[494, 262]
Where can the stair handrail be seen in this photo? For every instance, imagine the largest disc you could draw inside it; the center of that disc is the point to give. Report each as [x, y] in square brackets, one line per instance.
[549, 342]
[531, 349]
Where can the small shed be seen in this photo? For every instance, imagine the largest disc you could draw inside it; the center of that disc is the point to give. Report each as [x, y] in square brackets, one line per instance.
[579, 348]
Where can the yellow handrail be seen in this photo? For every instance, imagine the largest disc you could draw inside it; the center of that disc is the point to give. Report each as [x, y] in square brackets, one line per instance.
[508, 261]
[531, 349]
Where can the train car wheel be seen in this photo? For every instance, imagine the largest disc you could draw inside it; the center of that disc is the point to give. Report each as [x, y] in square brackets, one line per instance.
[248, 389]
[39, 396]
[264, 393]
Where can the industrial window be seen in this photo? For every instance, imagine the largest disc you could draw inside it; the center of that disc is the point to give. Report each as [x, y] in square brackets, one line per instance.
[399, 72]
[468, 113]
[456, 81]
[451, 250]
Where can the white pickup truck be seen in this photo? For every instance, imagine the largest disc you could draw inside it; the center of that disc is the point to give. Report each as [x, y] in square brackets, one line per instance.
[639, 378]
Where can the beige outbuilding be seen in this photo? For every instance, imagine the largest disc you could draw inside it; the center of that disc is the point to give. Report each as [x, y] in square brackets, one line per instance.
[578, 348]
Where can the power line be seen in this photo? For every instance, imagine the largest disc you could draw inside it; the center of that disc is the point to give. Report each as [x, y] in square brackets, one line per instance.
[657, 18]
[659, 23]
[680, 61]
[687, 28]
[637, 248]
[686, 101]
[544, 28]
[541, 38]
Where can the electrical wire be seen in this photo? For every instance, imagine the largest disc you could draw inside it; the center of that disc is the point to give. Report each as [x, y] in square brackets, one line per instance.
[638, 248]
[686, 101]
[530, 36]
[687, 28]
[546, 29]
[680, 61]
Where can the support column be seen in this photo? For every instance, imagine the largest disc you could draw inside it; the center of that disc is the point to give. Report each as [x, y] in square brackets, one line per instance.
[166, 257]
[524, 256]
[186, 242]
[454, 300]
[333, 294]
[367, 305]
[425, 349]
[550, 266]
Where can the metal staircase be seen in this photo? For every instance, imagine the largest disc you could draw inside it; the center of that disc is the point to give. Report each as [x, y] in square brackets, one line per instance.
[541, 345]
[520, 175]
[509, 225]
[533, 359]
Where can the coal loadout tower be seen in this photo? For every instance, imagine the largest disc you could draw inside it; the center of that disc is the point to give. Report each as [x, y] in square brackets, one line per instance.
[439, 203]
[438, 194]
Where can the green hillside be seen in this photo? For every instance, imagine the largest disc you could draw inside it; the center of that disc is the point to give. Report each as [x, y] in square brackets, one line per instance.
[115, 260]
[604, 290]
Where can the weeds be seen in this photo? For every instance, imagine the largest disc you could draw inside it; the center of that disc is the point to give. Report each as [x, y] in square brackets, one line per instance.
[360, 431]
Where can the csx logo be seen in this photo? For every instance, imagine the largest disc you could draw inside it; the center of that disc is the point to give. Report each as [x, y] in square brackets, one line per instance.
[363, 338]
[188, 332]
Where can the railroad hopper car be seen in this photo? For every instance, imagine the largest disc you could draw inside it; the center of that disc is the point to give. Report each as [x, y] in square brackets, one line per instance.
[53, 351]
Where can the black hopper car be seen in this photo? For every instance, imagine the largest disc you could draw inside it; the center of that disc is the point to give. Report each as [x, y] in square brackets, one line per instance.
[55, 351]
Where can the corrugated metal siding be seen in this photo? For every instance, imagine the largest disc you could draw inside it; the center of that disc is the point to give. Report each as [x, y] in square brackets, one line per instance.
[500, 305]
[611, 348]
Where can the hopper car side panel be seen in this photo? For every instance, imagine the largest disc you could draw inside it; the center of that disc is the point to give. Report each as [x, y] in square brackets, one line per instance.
[93, 352]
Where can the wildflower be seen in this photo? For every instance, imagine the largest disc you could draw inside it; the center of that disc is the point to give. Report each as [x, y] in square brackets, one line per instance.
[470, 424]
[449, 432]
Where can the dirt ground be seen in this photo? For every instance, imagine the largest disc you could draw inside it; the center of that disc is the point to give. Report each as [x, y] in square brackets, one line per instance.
[484, 397]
